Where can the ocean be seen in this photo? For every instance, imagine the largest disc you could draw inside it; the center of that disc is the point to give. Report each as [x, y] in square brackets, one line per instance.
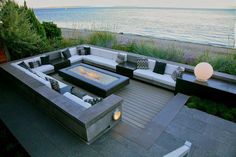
[205, 26]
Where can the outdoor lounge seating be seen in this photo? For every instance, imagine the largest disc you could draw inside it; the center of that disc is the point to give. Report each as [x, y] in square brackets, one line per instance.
[149, 76]
[106, 59]
[48, 68]
[86, 120]
[41, 77]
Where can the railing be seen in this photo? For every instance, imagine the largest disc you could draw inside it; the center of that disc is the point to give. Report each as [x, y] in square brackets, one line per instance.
[180, 152]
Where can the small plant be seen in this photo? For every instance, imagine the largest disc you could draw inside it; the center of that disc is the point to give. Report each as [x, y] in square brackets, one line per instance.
[214, 108]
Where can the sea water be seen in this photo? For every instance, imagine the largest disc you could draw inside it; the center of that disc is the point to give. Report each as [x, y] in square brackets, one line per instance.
[206, 26]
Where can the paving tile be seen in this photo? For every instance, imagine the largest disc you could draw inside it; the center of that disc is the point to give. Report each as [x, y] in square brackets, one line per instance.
[219, 134]
[62, 138]
[169, 142]
[184, 133]
[226, 150]
[199, 152]
[190, 122]
[157, 151]
[36, 143]
[110, 147]
[222, 123]
[129, 144]
[85, 151]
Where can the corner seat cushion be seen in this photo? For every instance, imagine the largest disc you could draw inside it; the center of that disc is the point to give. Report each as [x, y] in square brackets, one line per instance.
[75, 58]
[44, 68]
[101, 61]
[77, 100]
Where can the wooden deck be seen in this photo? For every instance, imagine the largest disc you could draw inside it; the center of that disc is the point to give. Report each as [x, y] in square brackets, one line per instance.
[141, 101]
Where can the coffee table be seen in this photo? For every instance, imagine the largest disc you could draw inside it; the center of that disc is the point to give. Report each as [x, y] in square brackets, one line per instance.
[98, 81]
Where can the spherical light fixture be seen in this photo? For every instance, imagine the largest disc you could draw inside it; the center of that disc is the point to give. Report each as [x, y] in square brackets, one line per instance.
[203, 71]
[116, 114]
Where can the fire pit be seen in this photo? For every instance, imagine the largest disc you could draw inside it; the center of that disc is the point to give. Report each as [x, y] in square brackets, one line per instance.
[96, 80]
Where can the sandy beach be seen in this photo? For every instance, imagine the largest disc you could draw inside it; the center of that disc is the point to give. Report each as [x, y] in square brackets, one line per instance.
[190, 49]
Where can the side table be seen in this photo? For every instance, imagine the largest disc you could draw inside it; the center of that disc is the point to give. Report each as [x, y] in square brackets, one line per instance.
[126, 69]
[60, 63]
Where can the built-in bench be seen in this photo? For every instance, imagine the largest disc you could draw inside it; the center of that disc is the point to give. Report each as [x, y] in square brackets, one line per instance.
[73, 112]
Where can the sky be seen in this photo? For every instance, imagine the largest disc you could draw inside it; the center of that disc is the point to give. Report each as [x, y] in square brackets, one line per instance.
[133, 3]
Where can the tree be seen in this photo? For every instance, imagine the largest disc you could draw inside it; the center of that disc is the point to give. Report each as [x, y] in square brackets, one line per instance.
[16, 31]
[36, 25]
[52, 31]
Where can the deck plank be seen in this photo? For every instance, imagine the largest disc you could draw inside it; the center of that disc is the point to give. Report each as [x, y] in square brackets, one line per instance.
[142, 102]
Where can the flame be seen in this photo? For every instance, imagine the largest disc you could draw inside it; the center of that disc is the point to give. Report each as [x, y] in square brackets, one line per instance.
[89, 74]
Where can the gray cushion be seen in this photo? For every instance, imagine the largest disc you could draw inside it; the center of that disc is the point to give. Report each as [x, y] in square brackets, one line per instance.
[34, 64]
[177, 73]
[80, 50]
[142, 63]
[120, 58]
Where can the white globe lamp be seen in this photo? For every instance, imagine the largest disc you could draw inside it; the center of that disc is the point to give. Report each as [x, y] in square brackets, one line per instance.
[203, 71]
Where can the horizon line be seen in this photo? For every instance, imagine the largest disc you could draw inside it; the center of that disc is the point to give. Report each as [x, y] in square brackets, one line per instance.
[70, 7]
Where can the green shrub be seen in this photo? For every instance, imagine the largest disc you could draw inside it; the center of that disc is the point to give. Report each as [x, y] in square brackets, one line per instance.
[104, 39]
[214, 108]
[57, 44]
[124, 47]
[226, 64]
[223, 63]
[52, 31]
[16, 32]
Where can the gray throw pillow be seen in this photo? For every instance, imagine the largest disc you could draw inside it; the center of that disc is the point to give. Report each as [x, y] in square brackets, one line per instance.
[54, 84]
[142, 63]
[120, 58]
[34, 64]
[80, 50]
[177, 73]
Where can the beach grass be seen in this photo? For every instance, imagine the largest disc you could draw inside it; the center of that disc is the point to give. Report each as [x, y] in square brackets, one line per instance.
[103, 39]
[225, 63]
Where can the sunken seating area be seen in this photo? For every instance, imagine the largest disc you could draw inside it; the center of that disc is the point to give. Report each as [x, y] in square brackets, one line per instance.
[34, 78]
